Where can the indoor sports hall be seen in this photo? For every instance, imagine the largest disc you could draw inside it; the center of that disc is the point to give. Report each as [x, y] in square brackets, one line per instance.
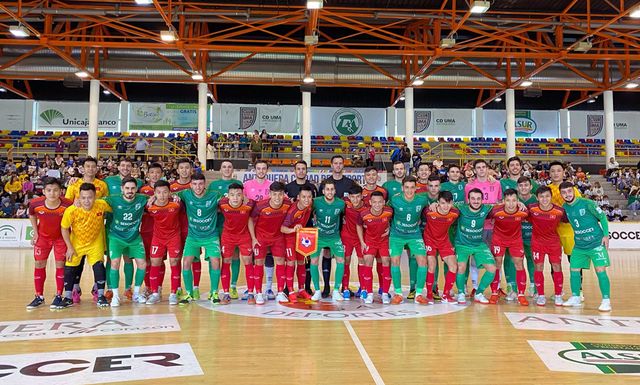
[108, 103]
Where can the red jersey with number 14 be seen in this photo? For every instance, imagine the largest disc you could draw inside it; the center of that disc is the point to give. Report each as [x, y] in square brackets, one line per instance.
[350, 221]
[507, 227]
[294, 217]
[268, 220]
[375, 226]
[545, 224]
[436, 230]
[236, 219]
[166, 220]
[48, 219]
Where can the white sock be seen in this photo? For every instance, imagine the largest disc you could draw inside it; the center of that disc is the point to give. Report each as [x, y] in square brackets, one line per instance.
[115, 292]
[136, 290]
[473, 273]
[269, 274]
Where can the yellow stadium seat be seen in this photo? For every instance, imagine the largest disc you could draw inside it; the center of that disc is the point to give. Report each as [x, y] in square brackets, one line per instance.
[518, 152]
[27, 145]
[377, 145]
[327, 137]
[556, 152]
[343, 138]
[425, 145]
[398, 139]
[618, 153]
[288, 149]
[367, 139]
[288, 137]
[458, 152]
[296, 143]
[337, 150]
[344, 144]
[361, 145]
[483, 152]
[125, 133]
[551, 140]
[520, 140]
[503, 145]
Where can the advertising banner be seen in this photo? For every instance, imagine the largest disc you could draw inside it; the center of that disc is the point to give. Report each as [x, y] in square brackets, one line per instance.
[74, 116]
[437, 122]
[529, 124]
[590, 124]
[13, 114]
[315, 175]
[624, 235]
[347, 121]
[163, 116]
[15, 233]
[237, 118]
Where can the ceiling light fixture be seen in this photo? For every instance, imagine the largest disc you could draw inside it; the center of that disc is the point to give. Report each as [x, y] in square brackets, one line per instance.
[418, 82]
[635, 13]
[447, 43]
[19, 31]
[144, 2]
[479, 6]
[168, 36]
[402, 97]
[308, 80]
[526, 83]
[583, 46]
[3, 89]
[106, 92]
[591, 100]
[82, 74]
[498, 99]
[631, 85]
[197, 76]
[314, 4]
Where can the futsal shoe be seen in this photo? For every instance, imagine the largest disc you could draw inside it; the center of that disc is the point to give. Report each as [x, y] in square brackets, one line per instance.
[386, 299]
[359, 293]
[363, 294]
[317, 296]
[215, 298]
[233, 293]
[173, 299]
[115, 301]
[187, 299]
[522, 300]
[412, 294]
[326, 292]
[581, 296]
[462, 299]
[541, 301]
[128, 294]
[346, 295]
[397, 299]
[260, 299]
[196, 294]
[472, 294]
[532, 292]
[282, 298]
[420, 299]
[108, 294]
[605, 305]
[153, 299]
[480, 298]
[140, 298]
[493, 300]
[37, 302]
[251, 299]
[57, 300]
[102, 301]
[511, 297]
[293, 297]
[75, 295]
[573, 301]
[270, 295]
[369, 299]
[226, 299]
[558, 300]
[502, 293]
[447, 298]
[245, 295]
[302, 293]
[436, 295]
[65, 303]
[337, 296]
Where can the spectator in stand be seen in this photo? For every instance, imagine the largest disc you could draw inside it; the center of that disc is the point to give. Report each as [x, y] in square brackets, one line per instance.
[60, 145]
[371, 155]
[7, 208]
[74, 147]
[612, 165]
[22, 212]
[121, 147]
[13, 186]
[597, 191]
[141, 146]
[27, 185]
[10, 167]
[256, 147]
[211, 151]
[244, 145]
[617, 215]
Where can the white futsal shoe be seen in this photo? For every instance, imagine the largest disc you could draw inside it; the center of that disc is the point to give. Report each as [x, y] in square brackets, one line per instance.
[605, 305]
[573, 301]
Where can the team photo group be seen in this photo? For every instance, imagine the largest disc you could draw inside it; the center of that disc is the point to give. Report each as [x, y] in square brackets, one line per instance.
[462, 230]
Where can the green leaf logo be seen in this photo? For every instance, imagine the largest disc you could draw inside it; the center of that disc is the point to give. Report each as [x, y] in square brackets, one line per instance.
[50, 115]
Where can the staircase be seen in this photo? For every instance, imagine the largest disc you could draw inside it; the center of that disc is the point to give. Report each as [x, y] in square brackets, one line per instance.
[615, 197]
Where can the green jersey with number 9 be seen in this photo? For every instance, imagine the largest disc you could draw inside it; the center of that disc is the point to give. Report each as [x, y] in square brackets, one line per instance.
[471, 225]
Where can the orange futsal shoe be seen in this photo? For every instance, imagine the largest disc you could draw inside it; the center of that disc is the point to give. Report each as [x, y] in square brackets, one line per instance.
[302, 293]
[494, 298]
[523, 300]
[293, 297]
[128, 294]
[502, 293]
[397, 299]
[108, 294]
[419, 299]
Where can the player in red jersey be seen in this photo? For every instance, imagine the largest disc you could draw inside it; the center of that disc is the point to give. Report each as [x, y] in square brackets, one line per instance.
[297, 217]
[507, 234]
[371, 184]
[236, 210]
[349, 235]
[423, 173]
[45, 214]
[545, 242]
[166, 239]
[264, 226]
[438, 222]
[373, 233]
[154, 173]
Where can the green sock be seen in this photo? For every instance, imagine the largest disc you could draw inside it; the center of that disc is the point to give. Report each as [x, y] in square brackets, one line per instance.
[128, 274]
[421, 278]
[413, 270]
[315, 276]
[575, 283]
[510, 272]
[436, 274]
[114, 278]
[485, 281]
[214, 276]
[235, 271]
[187, 277]
[396, 278]
[339, 275]
[531, 270]
[461, 279]
[605, 285]
[139, 277]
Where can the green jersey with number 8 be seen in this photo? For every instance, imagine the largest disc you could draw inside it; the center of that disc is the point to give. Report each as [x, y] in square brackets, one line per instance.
[202, 213]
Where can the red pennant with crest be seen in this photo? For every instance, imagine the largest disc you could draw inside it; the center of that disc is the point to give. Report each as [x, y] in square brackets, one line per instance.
[307, 241]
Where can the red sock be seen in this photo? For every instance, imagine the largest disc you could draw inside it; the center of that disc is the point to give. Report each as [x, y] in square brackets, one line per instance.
[302, 276]
[196, 267]
[521, 281]
[289, 273]
[39, 276]
[147, 275]
[258, 275]
[59, 280]
[163, 268]
[496, 282]
[175, 277]
[538, 278]
[380, 272]
[430, 278]
[154, 274]
[367, 278]
[449, 280]
[281, 276]
[248, 274]
[558, 278]
[346, 276]
[225, 276]
[386, 280]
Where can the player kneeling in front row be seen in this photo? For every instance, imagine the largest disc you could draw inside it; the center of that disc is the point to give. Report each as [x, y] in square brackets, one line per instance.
[591, 234]
[83, 233]
[166, 238]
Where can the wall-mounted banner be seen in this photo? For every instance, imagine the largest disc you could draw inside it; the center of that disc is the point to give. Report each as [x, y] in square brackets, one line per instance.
[14, 114]
[590, 124]
[348, 121]
[74, 116]
[163, 116]
[239, 118]
[315, 175]
[437, 122]
[15, 233]
[530, 124]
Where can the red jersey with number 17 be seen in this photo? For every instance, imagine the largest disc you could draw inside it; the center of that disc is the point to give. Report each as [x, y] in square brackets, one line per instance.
[48, 219]
[350, 221]
[375, 226]
[545, 224]
[436, 230]
[147, 221]
[166, 220]
[366, 194]
[268, 220]
[295, 216]
[507, 227]
[236, 219]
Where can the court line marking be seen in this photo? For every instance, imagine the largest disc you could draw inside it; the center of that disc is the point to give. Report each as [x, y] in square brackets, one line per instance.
[365, 356]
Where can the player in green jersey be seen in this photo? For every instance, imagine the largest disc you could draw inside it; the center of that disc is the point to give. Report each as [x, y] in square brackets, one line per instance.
[455, 185]
[469, 242]
[405, 232]
[221, 186]
[591, 234]
[394, 186]
[526, 197]
[327, 212]
[202, 213]
[124, 237]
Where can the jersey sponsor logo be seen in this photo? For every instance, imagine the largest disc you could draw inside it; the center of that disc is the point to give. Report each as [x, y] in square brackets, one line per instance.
[81, 327]
[100, 365]
[575, 323]
[589, 357]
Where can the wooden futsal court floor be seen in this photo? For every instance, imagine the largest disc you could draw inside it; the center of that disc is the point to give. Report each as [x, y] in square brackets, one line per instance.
[322, 344]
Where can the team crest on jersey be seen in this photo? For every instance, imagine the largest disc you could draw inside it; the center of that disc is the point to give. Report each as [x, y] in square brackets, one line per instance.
[119, 207]
[337, 211]
[401, 208]
[208, 204]
[41, 212]
[138, 206]
[582, 212]
[418, 209]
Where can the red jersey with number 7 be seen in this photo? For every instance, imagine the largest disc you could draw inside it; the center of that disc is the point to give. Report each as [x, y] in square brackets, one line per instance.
[507, 227]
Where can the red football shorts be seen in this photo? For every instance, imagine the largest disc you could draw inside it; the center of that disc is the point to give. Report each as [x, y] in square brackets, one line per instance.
[290, 250]
[276, 245]
[160, 247]
[540, 252]
[350, 245]
[514, 251]
[377, 249]
[42, 249]
[444, 250]
[229, 242]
